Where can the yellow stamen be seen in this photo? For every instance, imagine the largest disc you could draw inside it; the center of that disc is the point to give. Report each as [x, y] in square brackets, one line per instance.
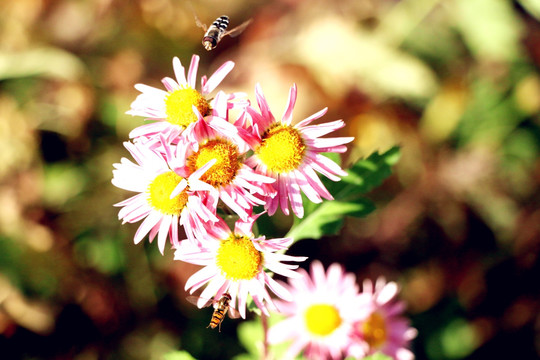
[178, 106]
[160, 190]
[226, 166]
[238, 259]
[374, 330]
[282, 148]
[322, 319]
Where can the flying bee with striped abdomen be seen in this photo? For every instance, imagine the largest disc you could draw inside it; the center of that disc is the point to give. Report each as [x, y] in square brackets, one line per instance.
[221, 307]
[218, 30]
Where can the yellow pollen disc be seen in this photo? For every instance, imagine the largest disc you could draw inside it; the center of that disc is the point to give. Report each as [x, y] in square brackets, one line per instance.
[238, 259]
[178, 106]
[374, 330]
[226, 166]
[282, 148]
[322, 319]
[160, 190]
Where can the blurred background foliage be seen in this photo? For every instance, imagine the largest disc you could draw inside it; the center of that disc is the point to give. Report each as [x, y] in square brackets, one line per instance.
[454, 83]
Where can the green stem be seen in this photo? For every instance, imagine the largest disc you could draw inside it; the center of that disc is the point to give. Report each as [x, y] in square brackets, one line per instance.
[264, 321]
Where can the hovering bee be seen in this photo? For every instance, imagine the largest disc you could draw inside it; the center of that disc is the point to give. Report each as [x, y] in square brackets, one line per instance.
[221, 307]
[217, 31]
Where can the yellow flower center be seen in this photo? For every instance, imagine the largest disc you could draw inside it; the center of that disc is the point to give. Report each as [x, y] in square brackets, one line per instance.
[374, 330]
[322, 319]
[226, 166]
[238, 259]
[178, 106]
[160, 190]
[282, 148]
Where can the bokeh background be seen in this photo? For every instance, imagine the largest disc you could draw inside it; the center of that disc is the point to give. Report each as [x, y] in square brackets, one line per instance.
[455, 83]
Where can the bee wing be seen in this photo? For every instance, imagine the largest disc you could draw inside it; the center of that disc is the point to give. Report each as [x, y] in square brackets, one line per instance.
[237, 30]
[199, 22]
[195, 301]
[233, 313]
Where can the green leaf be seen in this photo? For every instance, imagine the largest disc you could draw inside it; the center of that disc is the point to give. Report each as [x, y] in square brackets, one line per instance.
[490, 116]
[178, 355]
[459, 339]
[327, 218]
[245, 357]
[47, 62]
[532, 6]
[252, 307]
[63, 182]
[496, 34]
[384, 69]
[378, 356]
[250, 334]
[368, 173]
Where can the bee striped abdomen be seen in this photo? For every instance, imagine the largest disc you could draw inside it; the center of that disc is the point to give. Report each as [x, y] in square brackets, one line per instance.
[220, 311]
[221, 308]
[217, 317]
[215, 32]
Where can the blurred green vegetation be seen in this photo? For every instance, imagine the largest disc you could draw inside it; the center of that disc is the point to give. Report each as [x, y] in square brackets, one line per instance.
[454, 83]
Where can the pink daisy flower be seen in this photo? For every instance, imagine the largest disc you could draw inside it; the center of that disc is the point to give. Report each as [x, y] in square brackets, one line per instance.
[217, 124]
[292, 154]
[235, 262]
[318, 320]
[383, 328]
[236, 184]
[167, 195]
[173, 107]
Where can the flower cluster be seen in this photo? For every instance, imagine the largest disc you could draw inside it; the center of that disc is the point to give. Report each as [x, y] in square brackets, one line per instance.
[330, 318]
[195, 161]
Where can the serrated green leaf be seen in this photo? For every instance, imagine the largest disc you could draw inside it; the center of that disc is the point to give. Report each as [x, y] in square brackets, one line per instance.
[368, 173]
[327, 218]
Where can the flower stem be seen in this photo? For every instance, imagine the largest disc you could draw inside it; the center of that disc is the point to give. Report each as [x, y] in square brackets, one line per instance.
[264, 320]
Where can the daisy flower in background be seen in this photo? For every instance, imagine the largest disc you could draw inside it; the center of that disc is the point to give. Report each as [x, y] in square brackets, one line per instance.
[173, 107]
[318, 319]
[291, 154]
[235, 263]
[383, 328]
[167, 196]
